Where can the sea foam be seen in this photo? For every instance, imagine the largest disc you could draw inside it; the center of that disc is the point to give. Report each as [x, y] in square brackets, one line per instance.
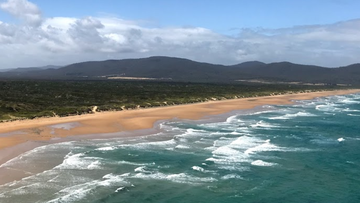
[291, 116]
[262, 163]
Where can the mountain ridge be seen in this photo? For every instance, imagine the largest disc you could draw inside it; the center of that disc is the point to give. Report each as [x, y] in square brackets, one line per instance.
[185, 70]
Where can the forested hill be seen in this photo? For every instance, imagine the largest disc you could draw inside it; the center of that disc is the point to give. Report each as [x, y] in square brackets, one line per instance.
[184, 70]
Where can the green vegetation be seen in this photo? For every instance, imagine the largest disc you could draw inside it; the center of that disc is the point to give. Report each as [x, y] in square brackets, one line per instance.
[31, 99]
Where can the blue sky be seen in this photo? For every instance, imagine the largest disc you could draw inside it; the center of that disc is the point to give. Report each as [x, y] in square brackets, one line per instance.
[216, 15]
[307, 31]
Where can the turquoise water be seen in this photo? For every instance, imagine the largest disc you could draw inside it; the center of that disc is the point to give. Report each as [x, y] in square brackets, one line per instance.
[307, 152]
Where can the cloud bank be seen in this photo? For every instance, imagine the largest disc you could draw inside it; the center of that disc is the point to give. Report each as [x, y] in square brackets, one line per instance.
[37, 41]
[24, 10]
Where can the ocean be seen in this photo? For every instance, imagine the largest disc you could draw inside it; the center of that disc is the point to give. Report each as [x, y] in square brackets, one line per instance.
[303, 153]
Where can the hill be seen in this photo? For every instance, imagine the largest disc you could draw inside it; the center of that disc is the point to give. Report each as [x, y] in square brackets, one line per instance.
[184, 70]
[29, 69]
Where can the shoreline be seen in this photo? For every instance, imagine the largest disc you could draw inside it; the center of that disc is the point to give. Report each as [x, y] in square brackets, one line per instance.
[18, 137]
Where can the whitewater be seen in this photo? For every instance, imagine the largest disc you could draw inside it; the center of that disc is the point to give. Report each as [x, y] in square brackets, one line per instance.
[305, 152]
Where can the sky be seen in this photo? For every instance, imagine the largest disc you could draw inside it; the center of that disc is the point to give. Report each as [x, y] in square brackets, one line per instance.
[43, 32]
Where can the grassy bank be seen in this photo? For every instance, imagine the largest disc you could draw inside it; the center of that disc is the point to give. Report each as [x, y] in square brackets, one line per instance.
[31, 99]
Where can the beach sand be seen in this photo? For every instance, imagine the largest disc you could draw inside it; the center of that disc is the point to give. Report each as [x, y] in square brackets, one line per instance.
[18, 137]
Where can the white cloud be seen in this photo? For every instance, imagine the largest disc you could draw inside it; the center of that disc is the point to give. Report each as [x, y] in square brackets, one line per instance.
[62, 40]
[84, 32]
[23, 10]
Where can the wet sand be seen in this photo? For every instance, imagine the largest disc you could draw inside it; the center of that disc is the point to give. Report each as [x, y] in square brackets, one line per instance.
[18, 137]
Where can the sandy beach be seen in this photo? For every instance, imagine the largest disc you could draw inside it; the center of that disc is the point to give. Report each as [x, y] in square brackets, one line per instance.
[20, 136]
